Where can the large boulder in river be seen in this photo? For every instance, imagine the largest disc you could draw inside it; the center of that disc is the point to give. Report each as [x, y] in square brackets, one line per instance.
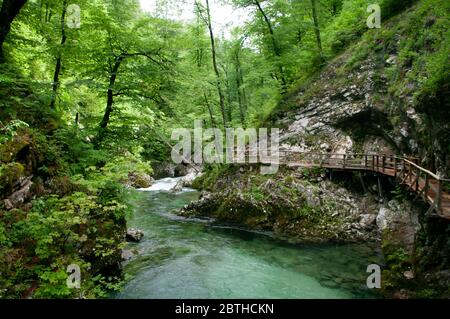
[178, 187]
[163, 170]
[185, 181]
[134, 235]
[139, 180]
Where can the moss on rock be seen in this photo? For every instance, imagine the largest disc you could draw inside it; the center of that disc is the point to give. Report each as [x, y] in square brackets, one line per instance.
[283, 203]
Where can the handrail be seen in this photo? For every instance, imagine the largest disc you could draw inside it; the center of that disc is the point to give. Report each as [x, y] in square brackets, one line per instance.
[427, 184]
[347, 156]
[362, 155]
[424, 170]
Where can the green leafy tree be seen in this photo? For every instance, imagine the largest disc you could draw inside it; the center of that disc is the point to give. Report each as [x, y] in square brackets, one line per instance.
[8, 12]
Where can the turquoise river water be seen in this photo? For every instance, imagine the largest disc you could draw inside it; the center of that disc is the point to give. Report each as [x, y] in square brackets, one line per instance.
[185, 258]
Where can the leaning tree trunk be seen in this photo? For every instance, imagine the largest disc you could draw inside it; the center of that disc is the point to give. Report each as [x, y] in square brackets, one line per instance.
[110, 98]
[276, 47]
[229, 109]
[240, 92]
[216, 68]
[317, 29]
[211, 115]
[55, 84]
[10, 9]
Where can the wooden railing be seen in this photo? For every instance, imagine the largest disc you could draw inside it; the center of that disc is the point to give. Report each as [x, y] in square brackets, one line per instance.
[430, 187]
[426, 184]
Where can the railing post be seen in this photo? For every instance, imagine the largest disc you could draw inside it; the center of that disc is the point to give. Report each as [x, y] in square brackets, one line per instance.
[410, 174]
[395, 167]
[373, 162]
[417, 179]
[427, 185]
[439, 196]
[345, 157]
[384, 162]
[365, 162]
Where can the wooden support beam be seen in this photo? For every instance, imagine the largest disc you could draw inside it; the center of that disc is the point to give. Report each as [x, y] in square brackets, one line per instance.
[424, 191]
[409, 174]
[430, 210]
[395, 167]
[362, 183]
[401, 175]
[416, 182]
[417, 179]
[380, 191]
[439, 196]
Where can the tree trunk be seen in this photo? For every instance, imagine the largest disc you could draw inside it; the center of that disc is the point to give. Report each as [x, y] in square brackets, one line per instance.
[269, 27]
[10, 9]
[48, 13]
[199, 49]
[317, 29]
[110, 98]
[213, 121]
[229, 98]
[55, 84]
[276, 47]
[216, 69]
[239, 84]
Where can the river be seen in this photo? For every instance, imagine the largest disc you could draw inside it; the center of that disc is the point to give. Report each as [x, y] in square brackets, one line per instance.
[185, 258]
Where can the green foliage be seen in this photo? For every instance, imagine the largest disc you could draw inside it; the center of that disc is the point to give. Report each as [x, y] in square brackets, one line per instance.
[8, 131]
[397, 262]
[427, 294]
[117, 170]
[208, 180]
[389, 8]
[10, 174]
[60, 231]
[400, 194]
[53, 285]
[313, 172]
[256, 193]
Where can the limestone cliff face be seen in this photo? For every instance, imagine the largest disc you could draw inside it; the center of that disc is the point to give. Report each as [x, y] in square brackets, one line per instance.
[327, 115]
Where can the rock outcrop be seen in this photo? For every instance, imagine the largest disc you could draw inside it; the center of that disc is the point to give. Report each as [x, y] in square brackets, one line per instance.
[186, 181]
[290, 207]
[134, 235]
[19, 196]
[139, 180]
[399, 224]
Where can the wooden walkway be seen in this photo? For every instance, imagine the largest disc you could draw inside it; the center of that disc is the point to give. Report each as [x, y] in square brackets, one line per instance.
[427, 185]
